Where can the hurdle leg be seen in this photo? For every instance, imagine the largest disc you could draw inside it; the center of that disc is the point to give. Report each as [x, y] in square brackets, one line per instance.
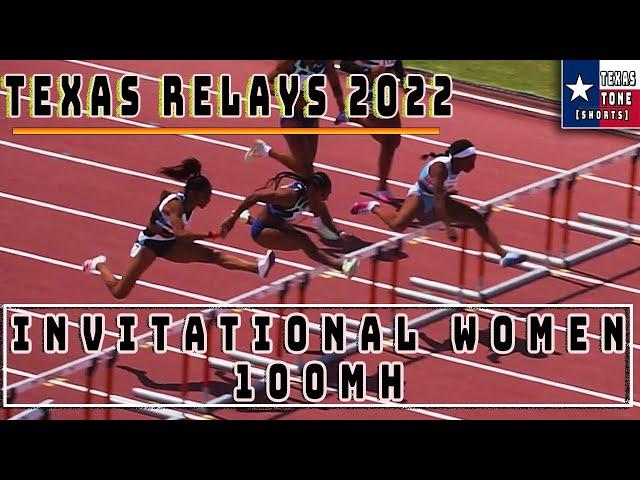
[550, 213]
[205, 363]
[632, 191]
[374, 278]
[91, 369]
[567, 214]
[110, 363]
[282, 294]
[462, 265]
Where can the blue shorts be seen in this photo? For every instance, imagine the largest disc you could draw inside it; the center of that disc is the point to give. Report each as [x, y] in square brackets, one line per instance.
[428, 201]
[256, 228]
[258, 225]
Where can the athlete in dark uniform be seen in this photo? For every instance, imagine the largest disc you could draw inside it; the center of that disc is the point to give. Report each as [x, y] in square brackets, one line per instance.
[272, 228]
[303, 148]
[166, 235]
[388, 143]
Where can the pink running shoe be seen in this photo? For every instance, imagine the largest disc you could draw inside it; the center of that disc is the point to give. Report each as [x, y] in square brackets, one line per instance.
[386, 196]
[91, 264]
[363, 207]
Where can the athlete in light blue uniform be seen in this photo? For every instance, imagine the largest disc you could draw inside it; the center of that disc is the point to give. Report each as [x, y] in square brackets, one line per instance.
[166, 235]
[273, 228]
[429, 199]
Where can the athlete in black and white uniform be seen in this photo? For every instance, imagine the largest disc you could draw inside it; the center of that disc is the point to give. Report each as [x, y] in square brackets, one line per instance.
[273, 228]
[429, 199]
[166, 235]
[388, 142]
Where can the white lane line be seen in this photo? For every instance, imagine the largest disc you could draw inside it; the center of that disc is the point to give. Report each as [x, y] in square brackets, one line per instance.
[526, 377]
[134, 173]
[446, 358]
[73, 266]
[496, 156]
[98, 393]
[202, 357]
[364, 281]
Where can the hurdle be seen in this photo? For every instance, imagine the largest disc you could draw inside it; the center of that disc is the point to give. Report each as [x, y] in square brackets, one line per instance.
[539, 266]
[546, 260]
[40, 413]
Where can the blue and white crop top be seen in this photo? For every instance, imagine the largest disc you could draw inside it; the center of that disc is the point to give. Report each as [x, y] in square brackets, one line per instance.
[425, 182]
[160, 219]
[298, 207]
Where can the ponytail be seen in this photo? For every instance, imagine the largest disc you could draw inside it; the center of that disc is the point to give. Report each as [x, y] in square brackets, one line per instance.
[456, 147]
[190, 171]
[189, 167]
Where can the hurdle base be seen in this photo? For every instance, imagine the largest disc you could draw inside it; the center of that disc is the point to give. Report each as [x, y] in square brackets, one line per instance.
[39, 413]
[610, 222]
[486, 293]
[597, 250]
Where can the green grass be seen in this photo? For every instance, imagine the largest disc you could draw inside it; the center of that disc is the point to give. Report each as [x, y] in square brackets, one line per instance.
[538, 77]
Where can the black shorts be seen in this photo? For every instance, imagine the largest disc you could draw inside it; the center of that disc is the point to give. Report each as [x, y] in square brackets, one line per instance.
[159, 247]
[298, 121]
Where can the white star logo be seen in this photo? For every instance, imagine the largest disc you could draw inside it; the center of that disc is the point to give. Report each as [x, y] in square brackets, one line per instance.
[579, 89]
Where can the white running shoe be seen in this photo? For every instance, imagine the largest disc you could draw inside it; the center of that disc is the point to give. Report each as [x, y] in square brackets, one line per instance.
[349, 266]
[260, 149]
[512, 258]
[91, 264]
[265, 263]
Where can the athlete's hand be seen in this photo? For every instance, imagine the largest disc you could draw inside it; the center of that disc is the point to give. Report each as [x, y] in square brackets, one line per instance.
[452, 234]
[227, 226]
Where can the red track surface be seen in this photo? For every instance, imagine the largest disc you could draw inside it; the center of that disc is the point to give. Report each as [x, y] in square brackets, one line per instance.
[71, 238]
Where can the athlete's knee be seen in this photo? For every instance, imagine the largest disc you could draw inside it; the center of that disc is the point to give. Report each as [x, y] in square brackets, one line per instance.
[394, 141]
[120, 293]
[389, 143]
[397, 226]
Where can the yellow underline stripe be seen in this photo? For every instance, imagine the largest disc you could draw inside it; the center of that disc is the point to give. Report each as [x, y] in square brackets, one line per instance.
[224, 131]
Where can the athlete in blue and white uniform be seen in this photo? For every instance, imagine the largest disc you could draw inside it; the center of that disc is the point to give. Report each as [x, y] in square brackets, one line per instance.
[429, 199]
[302, 148]
[166, 235]
[273, 228]
[388, 142]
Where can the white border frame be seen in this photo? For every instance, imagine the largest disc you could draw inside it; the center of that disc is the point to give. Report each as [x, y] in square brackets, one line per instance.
[388, 405]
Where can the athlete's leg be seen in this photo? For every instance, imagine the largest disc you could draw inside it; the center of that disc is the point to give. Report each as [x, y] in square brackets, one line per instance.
[137, 266]
[397, 221]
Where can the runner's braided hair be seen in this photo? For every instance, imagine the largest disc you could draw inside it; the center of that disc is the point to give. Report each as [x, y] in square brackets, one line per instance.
[319, 179]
